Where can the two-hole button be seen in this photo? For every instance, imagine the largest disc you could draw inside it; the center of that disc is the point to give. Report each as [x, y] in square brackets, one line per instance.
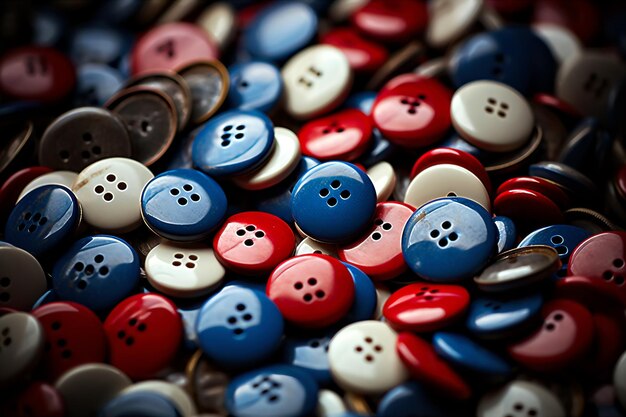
[332, 201]
[519, 410]
[334, 126]
[5, 283]
[596, 85]
[311, 75]
[5, 338]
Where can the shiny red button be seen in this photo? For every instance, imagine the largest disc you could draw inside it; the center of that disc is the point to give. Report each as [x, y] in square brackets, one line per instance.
[379, 252]
[311, 290]
[37, 399]
[391, 20]
[592, 292]
[73, 335]
[143, 334]
[425, 366]
[171, 46]
[564, 338]
[253, 242]
[539, 185]
[423, 307]
[620, 181]
[36, 73]
[412, 111]
[528, 209]
[363, 55]
[344, 135]
[556, 104]
[13, 186]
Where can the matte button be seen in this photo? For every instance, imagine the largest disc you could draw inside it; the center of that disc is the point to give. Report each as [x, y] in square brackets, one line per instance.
[41, 399]
[22, 279]
[208, 83]
[520, 396]
[95, 84]
[22, 346]
[175, 394]
[449, 21]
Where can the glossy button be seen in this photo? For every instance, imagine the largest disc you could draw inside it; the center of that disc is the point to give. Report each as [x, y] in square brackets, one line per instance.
[539, 185]
[490, 317]
[95, 84]
[363, 54]
[311, 290]
[449, 21]
[208, 84]
[254, 85]
[528, 209]
[384, 179]
[395, 20]
[65, 178]
[309, 354]
[22, 346]
[411, 399]
[507, 233]
[176, 395]
[365, 297]
[566, 177]
[520, 398]
[564, 238]
[183, 204]
[22, 279]
[466, 354]
[139, 404]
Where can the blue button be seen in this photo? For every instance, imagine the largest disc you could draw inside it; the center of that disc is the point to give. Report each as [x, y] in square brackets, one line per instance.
[463, 352]
[48, 27]
[365, 296]
[280, 30]
[96, 271]
[412, 400]
[507, 233]
[98, 44]
[333, 202]
[454, 141]
[43, 219]
[278, 390]
[254, 86]
[311, 355]
[567, 177]
[236, 319]
[183, 204]
[491, 317]
[139, 404]
[562, 237]
[449, 239]
[47, 297]
[95, 84]
[233, 142]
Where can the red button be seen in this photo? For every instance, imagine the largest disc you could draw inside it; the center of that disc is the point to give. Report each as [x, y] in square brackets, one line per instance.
[73, 335]
[412, 111]
[564, 338]
[423, 307]
[379, 252]
[13, 186]
[37, 399]
[253, 242]
[425, 366]
[528, 209]
[539, 185]
[608, 343]
[556, 104]
[579, 16]
[171, 46]
[143, 333]
[311, 290]
[363, 55]
[592, 292]
[36, 73]
[391, 20]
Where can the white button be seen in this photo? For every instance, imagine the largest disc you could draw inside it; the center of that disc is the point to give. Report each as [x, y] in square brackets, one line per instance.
[65, 178]
[309, 245]
[183, 270]
[316, 80]
[384, 179]
[341, 10]
[619, 379]
[492, 116]
[21, 346]
[87, 388]
[363, 358]
[22, 280]
[446, 180]
[109, 192]
[174, 393]
[329, 404]
[520, 398]
[219, 20]
[284, 158]
[561, 41]
[584, 81]
[450, 20]
[433, 68]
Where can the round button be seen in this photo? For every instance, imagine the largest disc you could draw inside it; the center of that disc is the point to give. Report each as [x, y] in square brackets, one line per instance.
[363, 55]
[449, 21]
[139, 404]
[21, 338]
[495, 318]
[365, 297]
[564, 238]
[95, 84]
[391, 20]
[40, 399]
[109, 192]
[22, 280]
[518, 397]
[562, 42]
[311, 290]
[464, 353]
[310, 354]
[254, 85]
[172, 392]
[97, 44]
[208, 82]
[183, 204]
[528, 209]
[539, 185]
[65, 178]
[133, 329]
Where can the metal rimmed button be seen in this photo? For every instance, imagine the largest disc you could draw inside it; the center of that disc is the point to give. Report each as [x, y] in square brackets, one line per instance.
[208, 83]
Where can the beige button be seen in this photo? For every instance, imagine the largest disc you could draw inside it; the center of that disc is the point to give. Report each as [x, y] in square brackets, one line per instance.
[384, 179]
[450, 20]
[22, 280]
[21, 341]
[220, 22]
[65, 178]
[520, 398]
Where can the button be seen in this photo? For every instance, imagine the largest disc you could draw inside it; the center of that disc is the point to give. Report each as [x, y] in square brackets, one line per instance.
[139, 404]
[138, 324]
[234, 142]
[43, 220]
[41, 399]
[36, 73]
[253, 242]
[10, 189]
[563, 338]
[449, 239]
[172, 392]
[180, 270]
[378, 252]
[363, 55]
[254, 85]
[308, 245]
[412, 111]
[423, 307]
[562, 237]
[316, 80]
[449, 21]
[220, 21]
[588, 219]
[73, 336]
[329, 403]
[21, 337]
[311, 290]
[391, 21]
[22, 280]
[520, 398]
[65, 178]
[97, 272]
[507, 233]
[86, 388]
[170, 46]
[207, 383]
[566, 177]
[95, 84]
[528, 209]
[539, 185]
[310, 353]
[561, 41]
[277, 390]
[90, 44]
[183, 205]
[19, 140]
[619, 379]
[464, 353]
[333, 202]
[208, 82]
[365, 297]
[81, 137]
[384, 179]
[363, 358]
[592, 292]
[502, 317]
[109, 192]
[410, 399]
[282, 161]
[609, 341]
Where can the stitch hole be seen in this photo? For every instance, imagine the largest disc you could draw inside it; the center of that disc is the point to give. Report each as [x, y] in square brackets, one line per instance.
[345, 194]
[332, 202]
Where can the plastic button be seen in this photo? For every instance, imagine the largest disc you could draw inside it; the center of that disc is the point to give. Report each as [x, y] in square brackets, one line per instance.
[363, 55]
[208, 83]
[466, 354]
[254, 85]
[22, 346]
[495, 318]
[22, 279]
[391, 20]
[520, 397]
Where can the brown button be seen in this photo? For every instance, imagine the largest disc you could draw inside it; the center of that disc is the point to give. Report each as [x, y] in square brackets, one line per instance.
[507, 162]
[81, 137]
[208, 82]
[14, 138]
[207, 383]
[151, 119]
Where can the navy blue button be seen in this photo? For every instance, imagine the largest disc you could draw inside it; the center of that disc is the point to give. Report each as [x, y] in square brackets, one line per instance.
[98, 44]
[507, 233]
[587, 148]
[365, 296]
[280, 30]
[454, 141]
[333, 202]
[412, 400]
[43, 219]
[139, 404]
[311, 355]
[449, 239]
[183, 204]
[562, 237]
[363, 100]
[235, 319]
[96, 271]
[47, 297]
[48, 27]
[254, 86]
[279, 390]
[95, 84]
[491, 317]
[233, 142]
[463, 352]
[567, 177]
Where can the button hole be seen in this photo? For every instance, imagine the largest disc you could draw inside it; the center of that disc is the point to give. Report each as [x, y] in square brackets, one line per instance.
[307, 297]
[453, 236]
[182, 201]
[332, 202]
[434, 233]
[618, 263]
[298, 285]
[446, 225]
[320, 294]
[195, 197]
[108, 197]
[345, 194]
[248, 242]
[251, 228]
[376, 236]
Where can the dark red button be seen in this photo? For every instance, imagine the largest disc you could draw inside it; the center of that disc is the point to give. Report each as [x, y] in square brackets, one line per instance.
[363, 55]
[556, 104]
[539, 185]
[37, 399]
[620, 181]
[391, 20]
[592, 292]
[579, 16]
[608, 343]
[528, 209]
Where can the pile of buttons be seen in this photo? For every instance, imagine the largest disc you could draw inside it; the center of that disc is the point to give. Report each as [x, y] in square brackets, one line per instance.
[313, 208]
